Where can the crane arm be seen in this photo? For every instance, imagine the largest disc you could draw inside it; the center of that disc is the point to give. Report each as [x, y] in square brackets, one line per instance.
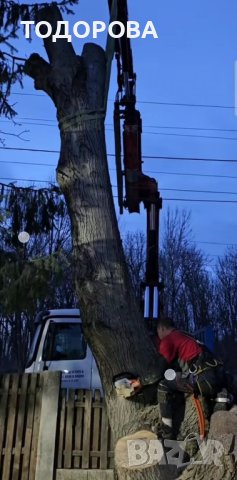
[139, 188]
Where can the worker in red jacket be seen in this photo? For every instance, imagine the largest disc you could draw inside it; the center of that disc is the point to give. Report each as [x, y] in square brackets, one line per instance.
[193, 369]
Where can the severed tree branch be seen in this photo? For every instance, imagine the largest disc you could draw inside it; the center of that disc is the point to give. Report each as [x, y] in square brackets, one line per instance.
[38, 69]
[60, 52]
[65, 69]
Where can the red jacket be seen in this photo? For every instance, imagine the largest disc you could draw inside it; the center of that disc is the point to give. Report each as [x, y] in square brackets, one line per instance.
[178, 346]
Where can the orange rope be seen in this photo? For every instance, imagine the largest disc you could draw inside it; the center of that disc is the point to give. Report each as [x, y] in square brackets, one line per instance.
[201, 418]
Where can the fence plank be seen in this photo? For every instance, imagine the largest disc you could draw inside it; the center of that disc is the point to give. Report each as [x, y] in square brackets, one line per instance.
[36, 423]
[48, 424]
[61, 430]
[110, 450]
[104, 440]
[5, 380]
[78, 428]
[29, 425]
[96, 429]
[10, 428]
[69, 429]
[29, 432]
[20, 427]
[85, 437]
[87, 430]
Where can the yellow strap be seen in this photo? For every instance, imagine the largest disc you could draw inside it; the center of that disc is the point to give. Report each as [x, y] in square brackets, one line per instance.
[76, 119]
[209, 365]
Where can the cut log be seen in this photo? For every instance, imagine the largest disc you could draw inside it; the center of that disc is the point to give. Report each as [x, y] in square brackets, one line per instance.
[132, 451]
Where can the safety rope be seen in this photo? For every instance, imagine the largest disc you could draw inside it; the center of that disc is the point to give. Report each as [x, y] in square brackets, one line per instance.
[76, 120]
[84, 116]
[201, 417]
[207, 365]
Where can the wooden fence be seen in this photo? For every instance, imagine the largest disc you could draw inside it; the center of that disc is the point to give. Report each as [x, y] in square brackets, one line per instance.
[84, 439]
[52, 434]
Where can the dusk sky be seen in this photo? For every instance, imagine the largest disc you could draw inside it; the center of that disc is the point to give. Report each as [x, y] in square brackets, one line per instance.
[186, 96]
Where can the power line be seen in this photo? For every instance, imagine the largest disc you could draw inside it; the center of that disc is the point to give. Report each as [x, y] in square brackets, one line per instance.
[214, 192]
[26, 180]
[21, 94]
[16, 187]
[216, 243]
[32, 118]
[21, 149]
[192, 159]
[191, 128]
[32, 124]
[11, 186]
[149, 157]
[189, 174]
[28, 163]
[176, 104]
[115, 186]
[166, 199]
[198, 200]
[191, 136]
[32, 121]
[148, 102]
[146, 132]
[114, 169]
[197, 191]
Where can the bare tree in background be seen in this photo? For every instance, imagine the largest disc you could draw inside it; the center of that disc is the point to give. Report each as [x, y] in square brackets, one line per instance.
[189, 287]
[226, 286]
[226, 306]
[188, 293]
[135, 252]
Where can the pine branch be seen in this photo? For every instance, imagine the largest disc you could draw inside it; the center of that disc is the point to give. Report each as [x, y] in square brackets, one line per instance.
[13, 57]
[11, 13]
[52, 189]
[63, 3]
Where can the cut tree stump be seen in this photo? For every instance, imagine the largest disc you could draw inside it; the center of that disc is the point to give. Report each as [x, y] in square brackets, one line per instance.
[132, 451]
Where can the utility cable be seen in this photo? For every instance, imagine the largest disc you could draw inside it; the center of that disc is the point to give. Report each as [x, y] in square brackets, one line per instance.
[149, 157]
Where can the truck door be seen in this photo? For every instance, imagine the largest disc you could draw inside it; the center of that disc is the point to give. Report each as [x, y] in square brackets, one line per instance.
[64, 348]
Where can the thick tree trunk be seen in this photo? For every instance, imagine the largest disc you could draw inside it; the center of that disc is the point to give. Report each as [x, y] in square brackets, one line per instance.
[112, 321]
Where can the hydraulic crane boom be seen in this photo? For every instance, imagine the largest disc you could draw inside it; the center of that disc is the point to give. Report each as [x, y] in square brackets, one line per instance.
[139, 188]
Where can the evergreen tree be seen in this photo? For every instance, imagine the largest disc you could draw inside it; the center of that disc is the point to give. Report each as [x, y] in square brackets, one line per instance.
[11, 66]
[35, 275]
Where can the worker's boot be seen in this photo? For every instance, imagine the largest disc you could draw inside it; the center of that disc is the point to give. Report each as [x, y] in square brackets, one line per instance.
[166, 429]
[222, 401]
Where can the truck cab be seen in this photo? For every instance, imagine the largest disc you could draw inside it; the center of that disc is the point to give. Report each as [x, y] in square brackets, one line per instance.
[59, 345]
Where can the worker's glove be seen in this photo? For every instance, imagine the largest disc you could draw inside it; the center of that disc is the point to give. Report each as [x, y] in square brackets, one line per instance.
[127, 388]
[136, 384]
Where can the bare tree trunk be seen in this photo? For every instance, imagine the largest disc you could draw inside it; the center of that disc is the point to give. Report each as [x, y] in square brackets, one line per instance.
[112, 322]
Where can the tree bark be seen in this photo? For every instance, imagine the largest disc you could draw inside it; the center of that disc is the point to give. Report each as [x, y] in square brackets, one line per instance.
[113, 325]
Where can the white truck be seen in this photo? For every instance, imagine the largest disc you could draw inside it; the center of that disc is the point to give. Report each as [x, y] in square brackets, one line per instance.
[59, 345]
